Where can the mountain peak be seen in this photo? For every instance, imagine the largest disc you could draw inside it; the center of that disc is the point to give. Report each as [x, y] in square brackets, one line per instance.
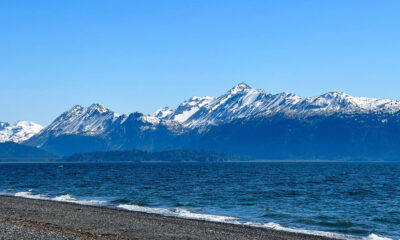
[77, 106]
[78, 109]
[335, 94]
[162, 112]
[19, 132]
[28, 124]
[89, 121]
[240, 88]
[197, 98]
[100, 108]
[74, 109]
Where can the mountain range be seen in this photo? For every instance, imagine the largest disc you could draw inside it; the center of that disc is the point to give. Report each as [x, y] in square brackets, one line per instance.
[242, 121]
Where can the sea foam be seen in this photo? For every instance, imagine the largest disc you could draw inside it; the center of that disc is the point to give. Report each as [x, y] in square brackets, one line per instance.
[61, 198]
[376, 237]
[178, 212]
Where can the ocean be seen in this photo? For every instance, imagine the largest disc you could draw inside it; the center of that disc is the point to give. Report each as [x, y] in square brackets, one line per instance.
[342, 200]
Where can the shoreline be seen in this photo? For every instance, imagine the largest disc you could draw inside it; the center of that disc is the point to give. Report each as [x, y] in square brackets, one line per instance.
[62, 220]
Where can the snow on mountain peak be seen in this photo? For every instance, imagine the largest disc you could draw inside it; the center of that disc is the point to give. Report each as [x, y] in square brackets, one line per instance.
[162, 112]
[90, 121]
[76, 108]
[200, 111]
[34, 127]
[98, 107]
[243, 101]
[188, 108]
[21, 131]
[239, 88]
[338, 102]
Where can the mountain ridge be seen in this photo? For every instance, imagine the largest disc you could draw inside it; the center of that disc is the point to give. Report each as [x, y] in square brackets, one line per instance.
[203, 123]
[243, 101]
[247, 102]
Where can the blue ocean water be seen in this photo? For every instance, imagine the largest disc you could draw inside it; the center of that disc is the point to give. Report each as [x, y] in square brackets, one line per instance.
[351, 199]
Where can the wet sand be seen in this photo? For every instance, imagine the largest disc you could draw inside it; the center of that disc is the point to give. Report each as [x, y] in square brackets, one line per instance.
[40, 219]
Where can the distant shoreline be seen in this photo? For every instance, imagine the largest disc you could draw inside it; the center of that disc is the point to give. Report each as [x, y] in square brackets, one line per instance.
[41, 218]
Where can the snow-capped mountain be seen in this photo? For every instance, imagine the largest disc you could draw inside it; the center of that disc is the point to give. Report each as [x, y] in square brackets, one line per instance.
[243, 121]
[100, 122]
[239, 102]
[90, 121]
[21, 131]
[243, 101]
[185, 111]
[338, 102]
[96, 120]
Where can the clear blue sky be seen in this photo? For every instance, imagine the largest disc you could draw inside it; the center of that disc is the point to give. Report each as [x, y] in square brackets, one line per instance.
[142, 55]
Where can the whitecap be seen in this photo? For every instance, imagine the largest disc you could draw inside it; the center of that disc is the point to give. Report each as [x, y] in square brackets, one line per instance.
[70, 199]
[61, 198]
[373, 236]
[29, 194]
[278, 227]
[178, 212]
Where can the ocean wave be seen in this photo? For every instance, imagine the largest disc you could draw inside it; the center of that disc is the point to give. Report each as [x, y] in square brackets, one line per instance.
[376, 237]
[278, 227]
[178, 212]
[61, 198]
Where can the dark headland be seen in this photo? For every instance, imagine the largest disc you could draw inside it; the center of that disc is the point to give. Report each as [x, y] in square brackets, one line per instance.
[39, 219]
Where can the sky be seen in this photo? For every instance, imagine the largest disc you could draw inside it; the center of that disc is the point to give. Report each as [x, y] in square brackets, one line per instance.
[144, 55]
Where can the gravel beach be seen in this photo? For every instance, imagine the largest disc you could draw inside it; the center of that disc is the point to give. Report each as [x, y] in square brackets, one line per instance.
[39, 219]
